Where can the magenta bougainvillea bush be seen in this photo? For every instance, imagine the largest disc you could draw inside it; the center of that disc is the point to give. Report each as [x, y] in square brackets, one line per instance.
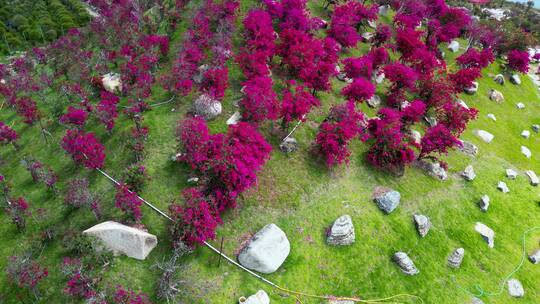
[129, 202]
[7, 134]
[84, 148]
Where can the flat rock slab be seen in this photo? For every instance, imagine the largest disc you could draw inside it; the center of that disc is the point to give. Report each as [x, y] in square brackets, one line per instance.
[511, 173]
[515, 289]
[503, 187]
[525, 134]
[122, 239]
[533, 178]
[525, 151]
[266, 250]
[386, 199]
[469, 173]
[492, 117]
[484, 135]
[342, 232]
[261, 297]
[487, 233]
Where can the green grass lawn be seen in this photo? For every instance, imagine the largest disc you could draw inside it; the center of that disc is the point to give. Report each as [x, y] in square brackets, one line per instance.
[303, 198]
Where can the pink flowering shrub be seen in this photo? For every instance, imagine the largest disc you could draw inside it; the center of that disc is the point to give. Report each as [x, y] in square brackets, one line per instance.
[84, 148]
[196, 221]
[106, 109]
[412, 113]
[347, 19]
[78, 195]
[135, 177]
[259, 32]
[518, 61]
[455, 117]
[27, 109]
[260, 101]
[40, 173]
[464, 78]
[24, 272]
[342, 125]
[127, 296]
[296, 103]
[7, 134]
[128, 201]
[358, 67]
[359, 90]
[473, 58]
[253, 64]
[438, 139]
[215, 82]
[17, 209]
[74, 117]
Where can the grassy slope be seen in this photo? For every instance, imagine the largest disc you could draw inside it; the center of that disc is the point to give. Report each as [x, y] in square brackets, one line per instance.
[303, 198]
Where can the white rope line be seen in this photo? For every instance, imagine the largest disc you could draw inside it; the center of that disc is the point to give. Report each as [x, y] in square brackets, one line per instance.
[295, 127]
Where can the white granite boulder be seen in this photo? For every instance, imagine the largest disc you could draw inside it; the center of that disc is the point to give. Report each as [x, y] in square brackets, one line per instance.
[234, 119]
[492, 116]
[472, 89]
[503, 187]
[122, 239]
[484, 135]
[525, 134]
[511, 173]
[266, 250]
[487, 233]
[456, 258]
[405, 263]
[261, 297]
[536, 128]
[468, 148]
[484, 203]
[112, 83]
[515, 79]
[520, 105]
[533, 178]
[515, 289]
[386, 199]
[535, 257]
[423, 224]
[374, 101]
[342, 232]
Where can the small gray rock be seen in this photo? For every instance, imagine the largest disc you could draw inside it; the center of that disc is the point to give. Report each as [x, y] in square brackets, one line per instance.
[520, 106]
[515, 289]
[342, 232]
[469, 173]
[432, 168]
[533, 178]
[456, 258]
[207, 107]
[511, 173]
[261, 297]
[473, 89]
[374, 101]
[499, 78]
[234, 119]
[536, 128]
[288, 145]
[484, 203]
[496, 95]
[535, 257]
[503, 187]
[423, 224]
[266, 250]
[525, 134]
[386, 199]
[343, 77]
[405, 263]
[468, 148]
[515, 79]
[525, 151]
[453, 46]
[487, 233]
[492, 116]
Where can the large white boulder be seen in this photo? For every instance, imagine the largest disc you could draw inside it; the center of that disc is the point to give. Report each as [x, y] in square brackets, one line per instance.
[122, 239]
[207, 107]
[487, 233]
[484, 135]
[261, 297]
[266, 250]
[112, 83]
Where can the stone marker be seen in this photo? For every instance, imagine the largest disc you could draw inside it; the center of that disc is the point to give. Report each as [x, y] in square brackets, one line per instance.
[492, 117]
[515, 289]
[342, 232]
[503, 187]
[532, 177]
[234, 119]
[374, 101]
[536, 128]
[484, 203]
[476, 301]
[525, 133]
[520, 105]
[526, 151]
[405, 263]
[261, 297]
[496, 95]
[511, 173]
[112, 83]
[456, 258]
[468, 148]
[432, 168]
[499, 78]
[535, 257]
[386, 199]
[122, 239]
[473, 89]
[207, 107]
[453, 46]
[515, 79]
[423, 224]
[484, 135]
[266, 250]
[469, 173]
[288, 145]
[416, 136]
[487, 234]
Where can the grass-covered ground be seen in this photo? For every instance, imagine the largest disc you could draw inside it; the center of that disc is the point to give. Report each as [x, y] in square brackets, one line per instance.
[301, 196]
